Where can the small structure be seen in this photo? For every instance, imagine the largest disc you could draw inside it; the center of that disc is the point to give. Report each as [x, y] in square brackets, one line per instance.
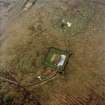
[56, 59]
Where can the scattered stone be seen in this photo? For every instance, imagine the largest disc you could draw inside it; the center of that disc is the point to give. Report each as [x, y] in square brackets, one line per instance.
[69, 24]
[66, 24]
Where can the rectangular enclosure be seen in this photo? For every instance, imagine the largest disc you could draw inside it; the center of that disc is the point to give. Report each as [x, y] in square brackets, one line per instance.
[56, 59]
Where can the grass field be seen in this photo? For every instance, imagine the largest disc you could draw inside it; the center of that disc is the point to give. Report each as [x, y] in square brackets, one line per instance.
[27, 41]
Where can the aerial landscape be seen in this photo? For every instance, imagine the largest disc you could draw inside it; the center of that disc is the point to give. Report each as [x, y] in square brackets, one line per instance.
[52, 52]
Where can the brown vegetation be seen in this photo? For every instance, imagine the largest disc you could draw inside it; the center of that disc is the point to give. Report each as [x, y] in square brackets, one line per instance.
[30, 36]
